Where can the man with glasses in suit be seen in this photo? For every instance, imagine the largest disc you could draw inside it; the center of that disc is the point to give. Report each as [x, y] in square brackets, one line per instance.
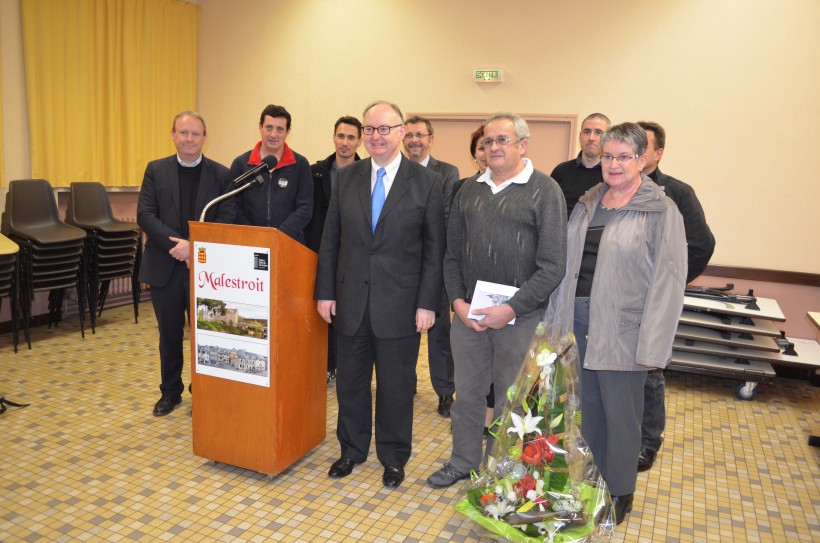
[378, 283]
[418, 139]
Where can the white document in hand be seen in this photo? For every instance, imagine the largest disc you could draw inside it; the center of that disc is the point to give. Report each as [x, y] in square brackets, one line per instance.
[488, 294]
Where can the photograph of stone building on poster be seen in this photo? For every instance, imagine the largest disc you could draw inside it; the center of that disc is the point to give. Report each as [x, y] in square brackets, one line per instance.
[232, 318]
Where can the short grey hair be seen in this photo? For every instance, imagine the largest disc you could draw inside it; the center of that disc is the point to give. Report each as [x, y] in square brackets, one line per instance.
[522, 129]
[393, 106]
[629, 133]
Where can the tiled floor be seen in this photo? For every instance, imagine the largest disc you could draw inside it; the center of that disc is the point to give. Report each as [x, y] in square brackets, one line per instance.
[88, 462]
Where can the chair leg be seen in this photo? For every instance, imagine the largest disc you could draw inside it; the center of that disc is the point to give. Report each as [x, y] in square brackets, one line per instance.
[54, 301]
[25, 307]
[135, 296]
[103, 295]
[15, 316]
[81, 302]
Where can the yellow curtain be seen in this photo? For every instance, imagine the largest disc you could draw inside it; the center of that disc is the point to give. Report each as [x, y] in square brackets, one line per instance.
[104, 79]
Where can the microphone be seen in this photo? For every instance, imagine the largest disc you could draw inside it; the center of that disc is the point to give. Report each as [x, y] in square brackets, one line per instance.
[251, 174]
[255, 176]
[271, 161]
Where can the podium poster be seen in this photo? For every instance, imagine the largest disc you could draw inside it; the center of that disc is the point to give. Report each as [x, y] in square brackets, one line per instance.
[232, 290]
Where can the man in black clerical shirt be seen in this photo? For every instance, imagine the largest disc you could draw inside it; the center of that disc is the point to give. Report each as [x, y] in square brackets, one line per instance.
[174, 191]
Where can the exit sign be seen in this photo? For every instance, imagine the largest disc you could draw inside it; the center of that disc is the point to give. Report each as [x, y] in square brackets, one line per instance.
[488, 75]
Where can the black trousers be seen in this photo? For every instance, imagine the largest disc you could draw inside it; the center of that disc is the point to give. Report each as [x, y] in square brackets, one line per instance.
[170, 303]
[439, 357]
[395, 364]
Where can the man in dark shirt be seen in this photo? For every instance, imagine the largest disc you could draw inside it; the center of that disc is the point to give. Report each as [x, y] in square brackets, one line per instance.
[174, 191]
[347, 138]
[580, 174]
[700, 246]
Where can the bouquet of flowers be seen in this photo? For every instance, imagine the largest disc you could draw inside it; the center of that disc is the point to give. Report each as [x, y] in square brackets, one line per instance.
[543, 485]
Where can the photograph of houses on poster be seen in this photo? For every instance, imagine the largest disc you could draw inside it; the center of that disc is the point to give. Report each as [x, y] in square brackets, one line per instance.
[232, 358]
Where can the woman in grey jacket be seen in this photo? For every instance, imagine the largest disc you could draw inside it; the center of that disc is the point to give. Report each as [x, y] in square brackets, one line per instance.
[622, 296]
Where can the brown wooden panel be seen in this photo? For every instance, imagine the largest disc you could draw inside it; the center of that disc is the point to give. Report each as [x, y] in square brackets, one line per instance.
[253, 427]
[761, 274]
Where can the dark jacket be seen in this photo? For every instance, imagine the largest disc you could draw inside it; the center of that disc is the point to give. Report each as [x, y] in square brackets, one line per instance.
[449, 179]
[321, 200]
[284, 201]
[699, 239]
[158, 211]
[395, 270]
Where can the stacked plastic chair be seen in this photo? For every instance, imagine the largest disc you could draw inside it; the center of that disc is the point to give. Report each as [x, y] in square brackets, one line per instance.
[112, 246]
[51, 254]
[8, 283]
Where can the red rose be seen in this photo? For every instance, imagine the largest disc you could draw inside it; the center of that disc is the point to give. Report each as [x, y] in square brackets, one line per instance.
[532, 454]
[523, 486]
[543, 443]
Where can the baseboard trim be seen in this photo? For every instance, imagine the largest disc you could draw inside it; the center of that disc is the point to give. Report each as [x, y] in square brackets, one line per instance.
[761, 274]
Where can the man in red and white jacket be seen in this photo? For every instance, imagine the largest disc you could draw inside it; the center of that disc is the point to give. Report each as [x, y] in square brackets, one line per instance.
[285, 199]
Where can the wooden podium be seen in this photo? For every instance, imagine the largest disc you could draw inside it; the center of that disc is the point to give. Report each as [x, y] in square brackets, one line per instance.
[266, 429]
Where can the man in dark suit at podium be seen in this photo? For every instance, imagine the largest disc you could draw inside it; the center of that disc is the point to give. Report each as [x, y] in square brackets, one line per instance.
[379, 282]
[174, 191]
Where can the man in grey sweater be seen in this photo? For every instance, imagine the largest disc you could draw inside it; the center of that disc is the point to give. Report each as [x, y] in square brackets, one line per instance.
[509, 227]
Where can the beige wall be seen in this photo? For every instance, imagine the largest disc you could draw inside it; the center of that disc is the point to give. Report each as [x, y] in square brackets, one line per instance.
[734, 83]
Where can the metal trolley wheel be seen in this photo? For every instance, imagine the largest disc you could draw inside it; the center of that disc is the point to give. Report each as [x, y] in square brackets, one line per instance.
[746, 391]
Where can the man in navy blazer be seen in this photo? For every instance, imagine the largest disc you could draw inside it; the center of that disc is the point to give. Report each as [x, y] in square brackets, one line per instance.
[379, 283]
[418, 139]
[174, 191]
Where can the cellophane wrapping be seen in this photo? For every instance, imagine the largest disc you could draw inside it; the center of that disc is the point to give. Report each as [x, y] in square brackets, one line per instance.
[542, 485]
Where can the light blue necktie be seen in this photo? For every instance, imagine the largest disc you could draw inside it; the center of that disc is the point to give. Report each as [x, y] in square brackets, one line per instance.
[377, 199]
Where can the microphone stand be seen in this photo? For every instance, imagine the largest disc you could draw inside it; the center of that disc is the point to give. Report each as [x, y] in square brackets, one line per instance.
[256, 180]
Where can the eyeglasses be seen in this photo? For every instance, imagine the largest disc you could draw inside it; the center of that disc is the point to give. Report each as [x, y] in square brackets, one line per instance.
[502, 141]
[383, 130]
[623, 159]
[411, 135]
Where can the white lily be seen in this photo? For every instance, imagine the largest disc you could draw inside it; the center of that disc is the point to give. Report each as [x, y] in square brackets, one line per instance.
[545, 360]
[499, 508]
[524, 426]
